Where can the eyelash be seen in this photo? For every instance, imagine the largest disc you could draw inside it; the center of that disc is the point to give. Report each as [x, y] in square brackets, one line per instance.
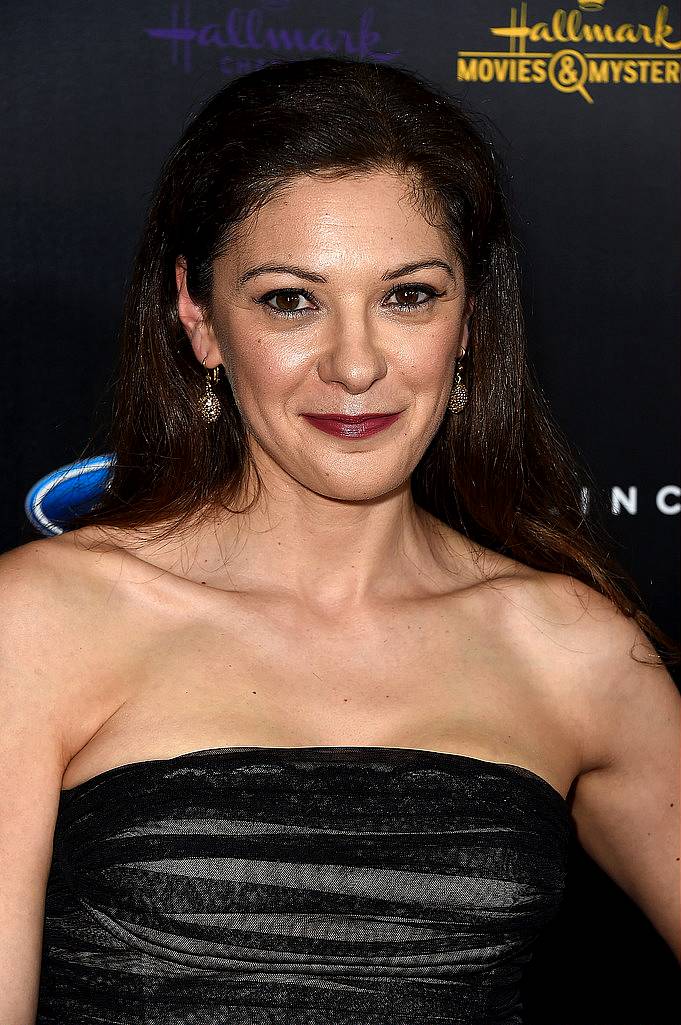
[403, 307]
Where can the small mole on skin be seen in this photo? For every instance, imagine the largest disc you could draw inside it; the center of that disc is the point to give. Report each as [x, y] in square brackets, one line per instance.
[203, 581]
[254, 692]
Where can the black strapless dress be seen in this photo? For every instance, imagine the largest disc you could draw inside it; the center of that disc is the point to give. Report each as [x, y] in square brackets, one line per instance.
[300, 886]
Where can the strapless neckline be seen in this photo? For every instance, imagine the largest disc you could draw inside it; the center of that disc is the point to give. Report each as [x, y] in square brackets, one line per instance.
[333, 751]
[292, 885]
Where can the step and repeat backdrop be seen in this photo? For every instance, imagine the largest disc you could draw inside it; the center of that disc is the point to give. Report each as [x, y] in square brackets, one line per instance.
[582, 104]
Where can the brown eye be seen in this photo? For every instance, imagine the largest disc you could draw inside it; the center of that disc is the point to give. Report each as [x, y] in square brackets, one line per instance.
[411, 296]
[407, 297]
[286, 302]
[283, 302]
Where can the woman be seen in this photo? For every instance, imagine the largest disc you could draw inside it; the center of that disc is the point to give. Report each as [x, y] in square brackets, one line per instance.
[300, 716]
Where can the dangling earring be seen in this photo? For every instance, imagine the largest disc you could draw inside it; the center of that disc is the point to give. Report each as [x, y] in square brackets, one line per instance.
[209, 403]
[459, 394]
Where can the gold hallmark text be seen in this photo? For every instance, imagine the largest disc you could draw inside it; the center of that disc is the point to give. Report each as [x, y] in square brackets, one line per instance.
[569, 69]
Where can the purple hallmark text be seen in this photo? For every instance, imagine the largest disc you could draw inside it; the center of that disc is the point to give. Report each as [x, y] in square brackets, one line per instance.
[248, 33]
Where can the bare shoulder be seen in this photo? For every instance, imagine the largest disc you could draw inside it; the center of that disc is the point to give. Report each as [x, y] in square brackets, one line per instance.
[596, 657]
[78, 566]
[626, 712]
[50, 586]
[628, 704]
[594, 663]
[49, 666]
[606, 654]
[29, 610]
[39, 590]
[64, 602]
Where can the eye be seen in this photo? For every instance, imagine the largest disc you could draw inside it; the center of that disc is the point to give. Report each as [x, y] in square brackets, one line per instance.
[410, 290]
[287, 299]
[290, 297]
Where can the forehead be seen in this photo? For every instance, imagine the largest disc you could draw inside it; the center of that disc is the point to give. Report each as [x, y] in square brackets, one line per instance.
[325, 218]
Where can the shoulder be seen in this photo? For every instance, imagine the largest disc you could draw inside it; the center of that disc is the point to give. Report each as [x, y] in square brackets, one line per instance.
[36, 585]
[47, 598]
[583, 656]
[34, 695]
[625, 711]
[597, 659]
[54, 579]
[75, 568]
[578, 619]
[67, 640]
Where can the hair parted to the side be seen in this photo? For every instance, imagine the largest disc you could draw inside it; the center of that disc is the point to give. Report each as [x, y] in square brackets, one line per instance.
[501, 471]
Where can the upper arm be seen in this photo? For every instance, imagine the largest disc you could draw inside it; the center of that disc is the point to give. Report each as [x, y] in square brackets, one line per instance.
[627, 801]
[32, 761]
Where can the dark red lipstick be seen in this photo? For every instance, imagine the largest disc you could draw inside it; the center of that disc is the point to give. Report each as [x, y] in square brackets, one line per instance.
[341, 426]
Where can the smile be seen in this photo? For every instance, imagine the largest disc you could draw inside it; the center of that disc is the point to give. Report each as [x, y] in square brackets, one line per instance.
[352, 426]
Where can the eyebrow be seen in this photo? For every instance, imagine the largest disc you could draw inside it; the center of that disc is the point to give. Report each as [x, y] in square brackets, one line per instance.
[308, 275]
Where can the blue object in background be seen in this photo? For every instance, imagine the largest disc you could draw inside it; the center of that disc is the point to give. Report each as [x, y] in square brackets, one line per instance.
[64, 493]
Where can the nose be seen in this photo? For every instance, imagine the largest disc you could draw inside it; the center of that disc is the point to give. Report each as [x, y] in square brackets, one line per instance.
[354, 355]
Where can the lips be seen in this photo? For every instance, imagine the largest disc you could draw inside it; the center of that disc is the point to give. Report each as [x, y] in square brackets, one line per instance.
[343, 426]
[346, 417]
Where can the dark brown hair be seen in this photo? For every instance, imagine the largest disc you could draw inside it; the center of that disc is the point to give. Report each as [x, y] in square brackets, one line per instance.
[500, 472]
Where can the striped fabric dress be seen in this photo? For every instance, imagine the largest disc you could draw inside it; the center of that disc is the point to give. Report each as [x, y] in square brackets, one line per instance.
[300, 886]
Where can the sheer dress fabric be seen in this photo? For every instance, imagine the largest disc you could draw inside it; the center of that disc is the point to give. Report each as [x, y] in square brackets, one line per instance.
[300, 886]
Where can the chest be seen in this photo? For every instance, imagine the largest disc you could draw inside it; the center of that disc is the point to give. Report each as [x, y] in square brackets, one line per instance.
[442, 675]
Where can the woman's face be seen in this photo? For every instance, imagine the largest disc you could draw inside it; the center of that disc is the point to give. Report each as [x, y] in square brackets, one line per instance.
[315, 313]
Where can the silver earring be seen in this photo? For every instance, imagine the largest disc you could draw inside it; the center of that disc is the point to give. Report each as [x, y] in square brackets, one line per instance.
[459, 394]
[209, 403]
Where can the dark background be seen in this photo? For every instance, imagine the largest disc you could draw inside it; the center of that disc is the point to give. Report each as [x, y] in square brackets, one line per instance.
[93, 97]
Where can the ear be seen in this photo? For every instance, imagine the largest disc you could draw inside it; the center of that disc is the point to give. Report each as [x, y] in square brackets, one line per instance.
[470, 304]
[199, 333]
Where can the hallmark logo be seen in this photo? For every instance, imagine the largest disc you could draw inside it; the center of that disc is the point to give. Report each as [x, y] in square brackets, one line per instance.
[569, 69]
[249, 38]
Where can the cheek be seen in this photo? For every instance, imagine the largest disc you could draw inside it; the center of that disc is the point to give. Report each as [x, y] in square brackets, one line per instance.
[268, 364]
[431, 357]
[263, 367]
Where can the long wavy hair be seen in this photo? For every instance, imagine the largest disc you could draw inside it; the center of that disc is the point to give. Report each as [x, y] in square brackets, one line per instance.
[501, 472]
